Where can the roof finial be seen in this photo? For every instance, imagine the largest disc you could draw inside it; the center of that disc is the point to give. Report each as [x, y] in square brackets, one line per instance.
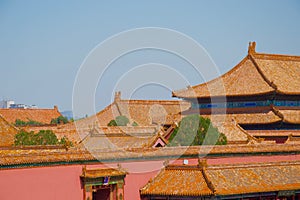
[118, 96]
[251, 48]
[202, 163]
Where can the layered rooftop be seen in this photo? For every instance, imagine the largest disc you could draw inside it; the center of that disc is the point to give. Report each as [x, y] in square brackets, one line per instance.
[257, 74]
[43, 116]
[224, 180]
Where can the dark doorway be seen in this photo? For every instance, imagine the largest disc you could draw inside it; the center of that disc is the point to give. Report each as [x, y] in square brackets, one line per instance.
[101, 194]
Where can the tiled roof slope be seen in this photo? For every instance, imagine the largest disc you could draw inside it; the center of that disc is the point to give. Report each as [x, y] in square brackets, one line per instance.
[253, 178]
[40, 115]
[229, 126]
[106, 137]
[256, 74]
[7, 133]
[45, 155]
[118, 142]
[290, 116]
[178, 181]
[247, 118]
[116, 138]
[144, 112]
[221, 180]
[96, 173]
[147, 112]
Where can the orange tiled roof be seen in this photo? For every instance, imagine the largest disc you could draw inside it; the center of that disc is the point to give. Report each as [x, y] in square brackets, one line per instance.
[122, 138]
[256, 74]
[7, 133]
[228, 125]
[268, 117]
[254, 178]
[144, 112]
[95, 173]
[225, 179]
[40, 115]
[45, 155]
[106, 137]
[290, 116]
[178, 181]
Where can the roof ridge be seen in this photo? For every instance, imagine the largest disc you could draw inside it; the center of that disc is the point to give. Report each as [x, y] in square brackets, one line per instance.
[277, 112]
[26, 109]
[9, 124]
[215, 79]
[118, 107]
[105, 109]
[270, 83]
[253, 164]
[156, 137]
[172, 102]
[209, 183]
[244, 131]
[269, 56]
[252, 51]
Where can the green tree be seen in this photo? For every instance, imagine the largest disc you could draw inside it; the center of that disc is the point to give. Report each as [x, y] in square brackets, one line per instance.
[30, 122]
[24, 138]
[46, 137]
[196, 130]
[65, 141]
[43, 137]
[112, 123]
[59, 120]
[119, 121]
[134, 124]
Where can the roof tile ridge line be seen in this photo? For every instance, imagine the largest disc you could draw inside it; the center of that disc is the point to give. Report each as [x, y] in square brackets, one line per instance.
[215, 79]
[170, 101]
[116, 102]
[244, 131]
[270, 83]
[156, 137]
[151, 180]
[253, 164]
[284, 57]
[105, 109]
[207, 180]
[277, 112]
[9, 124]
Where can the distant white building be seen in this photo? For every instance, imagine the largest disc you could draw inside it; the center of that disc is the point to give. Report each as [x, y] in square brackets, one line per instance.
[6, 103]
[12, 104]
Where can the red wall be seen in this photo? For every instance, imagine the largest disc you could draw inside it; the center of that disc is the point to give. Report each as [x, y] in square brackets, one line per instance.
[63, 182]
[47, 183]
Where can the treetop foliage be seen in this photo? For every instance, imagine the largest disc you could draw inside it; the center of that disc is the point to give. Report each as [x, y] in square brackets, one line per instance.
[43, 137]
[119, 121]
[59, 120]
[196, 130]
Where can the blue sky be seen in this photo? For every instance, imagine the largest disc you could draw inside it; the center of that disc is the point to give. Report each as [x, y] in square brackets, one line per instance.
[43, 43]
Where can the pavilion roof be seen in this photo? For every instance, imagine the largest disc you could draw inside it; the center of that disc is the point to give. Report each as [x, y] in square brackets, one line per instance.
[96, 173]
[36, 114]
[107, 137]
[221, 180]
[178, 181]
[256, 74]
[123, 138]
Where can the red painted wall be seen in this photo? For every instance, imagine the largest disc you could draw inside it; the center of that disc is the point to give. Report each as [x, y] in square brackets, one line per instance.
[63, 182]
[47, 183]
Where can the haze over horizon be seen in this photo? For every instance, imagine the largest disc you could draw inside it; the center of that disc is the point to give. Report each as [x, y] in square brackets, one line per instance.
[43, 44]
